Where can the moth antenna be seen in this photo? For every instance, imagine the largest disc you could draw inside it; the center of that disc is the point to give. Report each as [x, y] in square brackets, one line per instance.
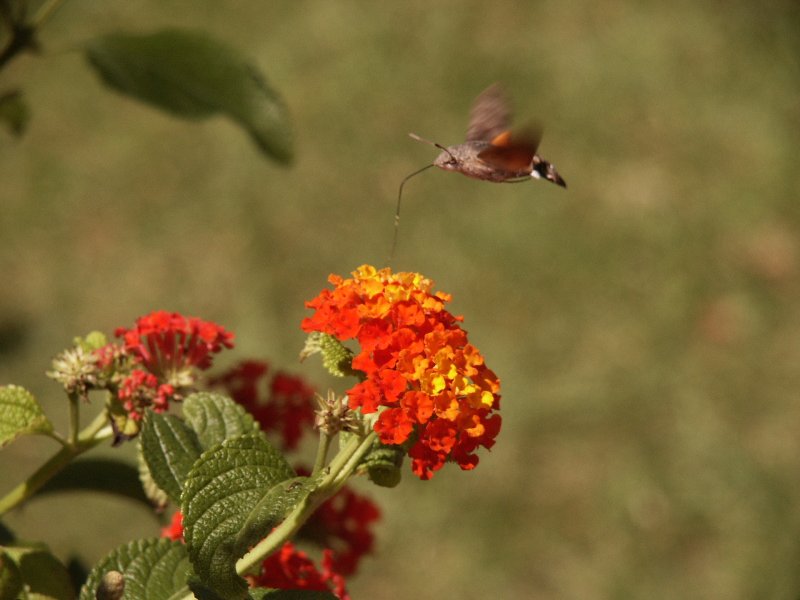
[397, 211]
[414, 136]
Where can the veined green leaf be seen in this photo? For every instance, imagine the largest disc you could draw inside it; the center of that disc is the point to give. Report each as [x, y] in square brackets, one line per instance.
[20, 414]
[215, 418]
[170, 448]
[193, 75]
[224, 488]
[153, 569]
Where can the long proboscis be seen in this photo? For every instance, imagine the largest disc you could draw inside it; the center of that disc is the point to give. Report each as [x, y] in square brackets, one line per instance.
[397, 211]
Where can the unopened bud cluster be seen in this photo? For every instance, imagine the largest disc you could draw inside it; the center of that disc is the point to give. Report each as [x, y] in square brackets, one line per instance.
[334, 415]
[75, 369]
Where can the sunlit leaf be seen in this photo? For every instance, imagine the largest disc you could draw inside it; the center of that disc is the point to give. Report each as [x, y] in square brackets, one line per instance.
[153, 569]
[20, 414]
[215, 418]
[222, 491]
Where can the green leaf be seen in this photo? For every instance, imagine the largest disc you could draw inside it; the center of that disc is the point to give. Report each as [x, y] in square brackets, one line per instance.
[41, 573]
[99, 475]
[94, 340]
[223, 489]
[153, 569]
[170, 448]
[272, 509]
[154, 494]
[215, 418]
[193, 75]
[14, 112]
[20, 414]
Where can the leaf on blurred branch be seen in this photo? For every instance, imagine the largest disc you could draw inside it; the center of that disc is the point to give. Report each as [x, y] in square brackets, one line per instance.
[194, 76]
[14, 112]
[20, 414]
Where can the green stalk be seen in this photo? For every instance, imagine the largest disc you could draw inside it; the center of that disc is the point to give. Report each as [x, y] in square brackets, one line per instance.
[341, 467]
[322, 452]
[74, 418]
[340, 470]
[87, 439]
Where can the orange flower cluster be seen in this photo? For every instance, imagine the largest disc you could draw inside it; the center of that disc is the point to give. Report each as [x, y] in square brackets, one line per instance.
[434, 391]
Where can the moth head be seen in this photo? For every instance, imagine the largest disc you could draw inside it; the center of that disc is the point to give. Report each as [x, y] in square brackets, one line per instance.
[446, 159]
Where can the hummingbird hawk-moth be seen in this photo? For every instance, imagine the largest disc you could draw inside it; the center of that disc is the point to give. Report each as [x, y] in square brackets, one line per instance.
[491, 151]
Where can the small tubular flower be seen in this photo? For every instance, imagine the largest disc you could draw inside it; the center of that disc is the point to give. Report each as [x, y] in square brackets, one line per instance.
[174, 530]
[432, 387]
[141, 390]
[169, 345]
[292, 569]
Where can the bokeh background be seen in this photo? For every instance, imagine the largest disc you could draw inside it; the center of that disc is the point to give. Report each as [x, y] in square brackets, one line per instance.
[645, 323]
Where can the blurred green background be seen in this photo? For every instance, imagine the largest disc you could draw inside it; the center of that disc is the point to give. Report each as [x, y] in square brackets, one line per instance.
[645, 323]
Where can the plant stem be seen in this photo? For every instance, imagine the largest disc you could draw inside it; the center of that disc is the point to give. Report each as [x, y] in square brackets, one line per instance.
[341, 468]
[87, 439]
[322, 452]
[74, 418]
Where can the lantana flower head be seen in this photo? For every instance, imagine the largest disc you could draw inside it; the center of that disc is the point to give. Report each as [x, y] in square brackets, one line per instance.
[431, 386]
[156, 362]
[170, 345]
[141, 390]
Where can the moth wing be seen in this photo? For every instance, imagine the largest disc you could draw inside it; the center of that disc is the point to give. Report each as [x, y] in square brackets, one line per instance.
[490, 115]
[512, 152]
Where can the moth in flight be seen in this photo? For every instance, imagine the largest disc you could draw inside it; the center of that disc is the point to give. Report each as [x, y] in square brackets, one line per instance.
[492, 152]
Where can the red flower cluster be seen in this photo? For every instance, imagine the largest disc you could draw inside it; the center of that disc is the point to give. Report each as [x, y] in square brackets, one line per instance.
[166, 344]
[141, 389]
[432, 385]
[292, 569]
[287, 569]
[164, 350]
[286, 406]
[343, 524]
[174, 530]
